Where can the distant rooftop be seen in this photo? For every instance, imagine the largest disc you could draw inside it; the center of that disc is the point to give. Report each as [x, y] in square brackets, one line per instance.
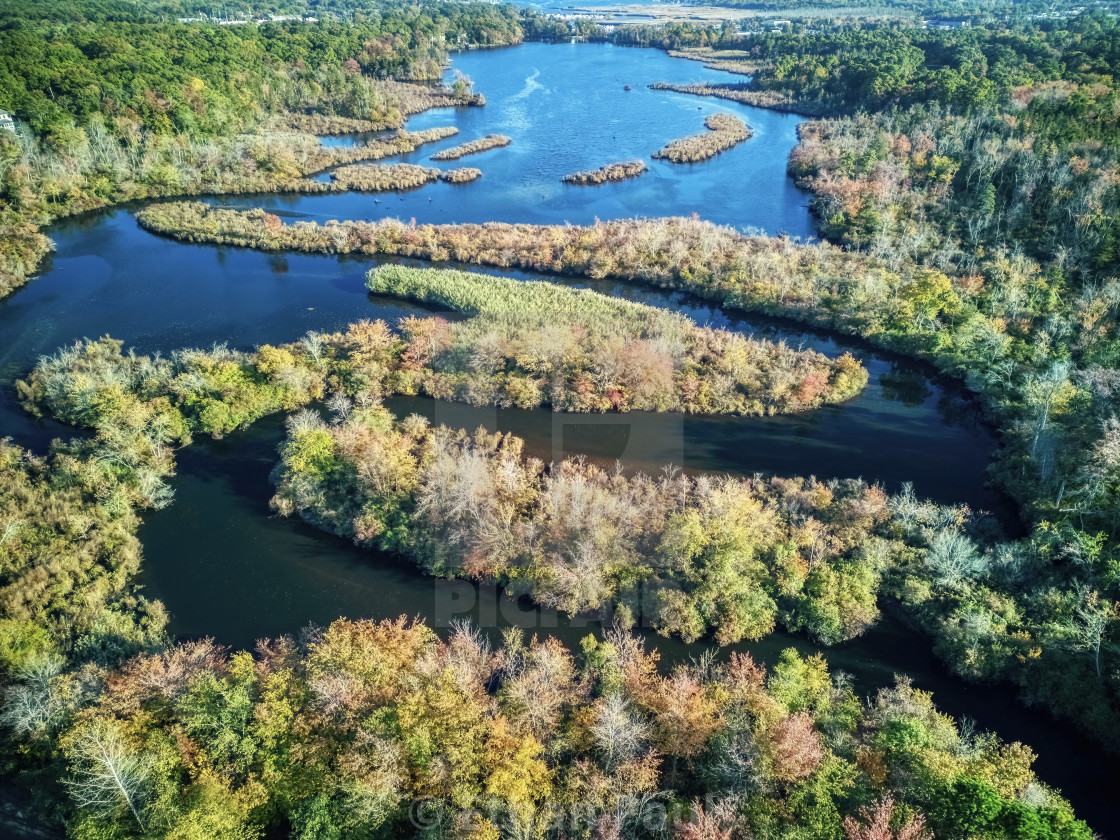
[221, 21]
[942, 23]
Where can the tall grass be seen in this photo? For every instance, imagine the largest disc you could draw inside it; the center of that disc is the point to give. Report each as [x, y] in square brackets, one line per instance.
[483, 144]
[724, 131]
[534, 343]
[610, 172]
[398, 176]
[744, 94]
[485, 294]
[462, 175]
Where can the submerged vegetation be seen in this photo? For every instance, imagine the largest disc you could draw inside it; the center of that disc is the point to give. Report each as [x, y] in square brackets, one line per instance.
[610, 172]
[724, 131]
[473, 147]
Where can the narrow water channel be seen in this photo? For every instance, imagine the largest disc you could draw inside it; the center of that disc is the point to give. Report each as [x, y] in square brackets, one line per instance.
[226, 568]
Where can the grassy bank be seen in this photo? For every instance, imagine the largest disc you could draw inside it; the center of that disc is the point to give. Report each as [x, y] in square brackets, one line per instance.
[744, 94]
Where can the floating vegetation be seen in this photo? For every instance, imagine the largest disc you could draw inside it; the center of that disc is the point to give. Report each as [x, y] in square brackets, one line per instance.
[724, 131]
[483, 144]
[610, 172]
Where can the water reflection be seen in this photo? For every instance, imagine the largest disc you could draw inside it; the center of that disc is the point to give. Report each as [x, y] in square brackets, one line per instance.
[226, 568]
[908, 388]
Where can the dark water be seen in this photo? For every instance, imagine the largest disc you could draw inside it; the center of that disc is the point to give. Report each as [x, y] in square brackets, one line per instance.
[226, 568]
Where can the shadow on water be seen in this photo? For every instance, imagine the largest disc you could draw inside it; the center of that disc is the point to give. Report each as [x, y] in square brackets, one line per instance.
[229, 570]
[225, 568]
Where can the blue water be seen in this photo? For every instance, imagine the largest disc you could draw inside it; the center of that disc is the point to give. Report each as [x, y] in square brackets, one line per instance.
[226, 568]
[565, 108]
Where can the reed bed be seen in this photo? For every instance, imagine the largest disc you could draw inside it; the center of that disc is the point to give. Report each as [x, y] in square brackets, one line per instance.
[724, 131]
[22, 249]
[777, 276]
[484, 294]
[382, 178]
[534, 343]
[399, 144]
[415, 99]
[731, 61]
[482, 144]
[460, 176]
[346, 176]
[329, 125]
[745, 95]
[397, 176]
[403, 100]
[610, 172]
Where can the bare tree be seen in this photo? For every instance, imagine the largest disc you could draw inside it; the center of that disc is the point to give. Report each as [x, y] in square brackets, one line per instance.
[1090, 626]
[108, 777]
[952, 557]
[875, 824]
[1042, 391]
[37, 703]
[618, 734]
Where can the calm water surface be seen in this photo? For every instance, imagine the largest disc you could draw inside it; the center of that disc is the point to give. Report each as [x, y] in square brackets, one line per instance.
[226, 568]
[566, 109]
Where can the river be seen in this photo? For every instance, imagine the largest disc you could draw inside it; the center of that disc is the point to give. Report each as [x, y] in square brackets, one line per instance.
[226, 568]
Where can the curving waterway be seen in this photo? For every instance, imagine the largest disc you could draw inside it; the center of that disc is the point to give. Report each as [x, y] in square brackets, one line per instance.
[226, 568]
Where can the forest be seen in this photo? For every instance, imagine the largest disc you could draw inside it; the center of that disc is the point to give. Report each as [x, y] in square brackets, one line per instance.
[999, 610]
[121, 105]
[965, 182]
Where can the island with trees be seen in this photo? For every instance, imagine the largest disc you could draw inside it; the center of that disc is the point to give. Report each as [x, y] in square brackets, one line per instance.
[961, 165]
